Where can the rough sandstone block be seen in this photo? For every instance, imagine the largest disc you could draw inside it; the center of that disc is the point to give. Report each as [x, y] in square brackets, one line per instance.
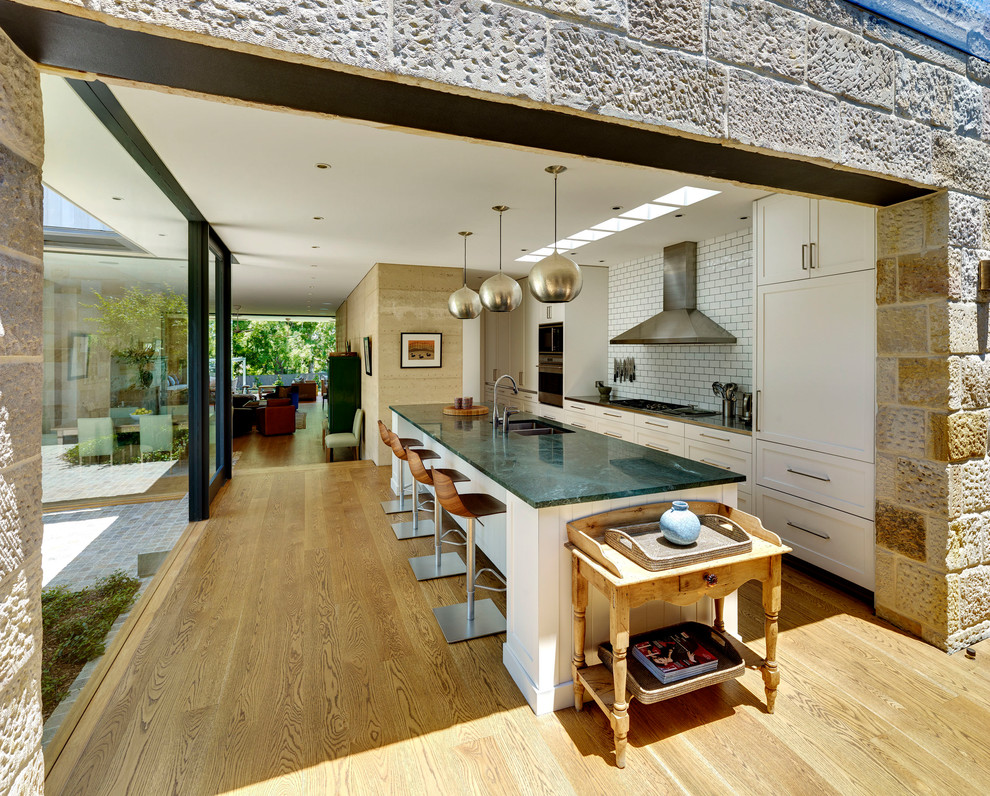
[958, 328]
[901, 531]
[967, 107]
[603, 12]
[901, 228]
[20, 515]
[902, 330]
[758, 36]
[923, 276]
[843, 63]
[907, 40]
[959, 163]
[923, 485]
[923, 382]
[964, 637]
[20, 204]
[888, 614]
[966, 215]
[886, 477]
[963, 273]
[921, 593]
[21, 761]
[21, 125]
[967, 435]
[20, 632]
[936, 210]
[886, 380]
[883, 143]
[937, 437]
[960, 542]
[924, 92]
[672, 23]
[901, 430]
[969, 487]
[20, 310]
[599, 72]
[974, 593]
[767, 113]
[886, 280]
[969, 382]
[884, 592]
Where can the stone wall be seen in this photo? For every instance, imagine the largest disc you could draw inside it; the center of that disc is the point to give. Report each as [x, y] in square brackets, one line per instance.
[21, 152]
[933, 391]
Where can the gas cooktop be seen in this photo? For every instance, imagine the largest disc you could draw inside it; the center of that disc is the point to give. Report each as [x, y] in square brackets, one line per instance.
[662, 407]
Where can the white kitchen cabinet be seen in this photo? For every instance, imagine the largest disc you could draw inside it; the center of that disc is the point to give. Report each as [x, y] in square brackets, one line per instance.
[617, 430]
[612, 416]
[548, 412]
[658, 441]
[723, 458]
[815, 355]
[717, 436]
[581, 420]
[660, 425]
[801, 238]
[530, 311]
[833, 540]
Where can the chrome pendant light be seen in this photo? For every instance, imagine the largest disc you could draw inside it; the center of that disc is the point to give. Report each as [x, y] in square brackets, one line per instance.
[464, 303]
[555, 278]
[500, 293]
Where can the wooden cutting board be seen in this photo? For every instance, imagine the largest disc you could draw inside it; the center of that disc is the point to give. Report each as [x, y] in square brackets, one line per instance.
[474, 411]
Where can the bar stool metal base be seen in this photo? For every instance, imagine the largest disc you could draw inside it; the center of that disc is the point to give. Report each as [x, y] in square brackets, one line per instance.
[405, 530]
[398, 506]
[426, 568]
[454, 623]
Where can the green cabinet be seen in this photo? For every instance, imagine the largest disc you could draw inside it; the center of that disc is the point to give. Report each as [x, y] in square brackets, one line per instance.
[343, 391]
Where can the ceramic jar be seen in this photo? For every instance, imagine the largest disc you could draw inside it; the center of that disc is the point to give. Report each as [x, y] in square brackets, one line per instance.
[678, 525]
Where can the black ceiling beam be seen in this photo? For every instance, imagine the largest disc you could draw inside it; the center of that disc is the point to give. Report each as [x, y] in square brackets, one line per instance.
[61, 40]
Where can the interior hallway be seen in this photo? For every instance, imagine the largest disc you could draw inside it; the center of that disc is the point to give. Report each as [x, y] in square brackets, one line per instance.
[288, 648]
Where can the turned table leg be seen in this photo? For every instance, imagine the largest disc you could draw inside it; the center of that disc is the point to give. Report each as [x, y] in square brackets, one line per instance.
[771, 610]
[579, 601]
[719, 623]
[619, 636]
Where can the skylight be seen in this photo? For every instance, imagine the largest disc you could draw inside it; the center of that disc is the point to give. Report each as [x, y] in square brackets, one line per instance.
[685, 196]
[648, 211]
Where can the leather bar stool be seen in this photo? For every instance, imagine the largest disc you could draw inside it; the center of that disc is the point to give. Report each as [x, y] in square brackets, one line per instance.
[397, 506]
[440, 564]
[414, 529]
[471, 619]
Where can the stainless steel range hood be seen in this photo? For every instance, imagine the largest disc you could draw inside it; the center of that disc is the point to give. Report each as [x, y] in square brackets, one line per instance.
[680, 322]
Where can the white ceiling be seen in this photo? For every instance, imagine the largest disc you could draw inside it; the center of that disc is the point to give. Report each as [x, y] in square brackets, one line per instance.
[389, 196]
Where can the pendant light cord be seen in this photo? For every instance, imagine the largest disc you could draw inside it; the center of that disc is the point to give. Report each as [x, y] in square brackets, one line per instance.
[500, 241]
[555, 213]
[465, 261]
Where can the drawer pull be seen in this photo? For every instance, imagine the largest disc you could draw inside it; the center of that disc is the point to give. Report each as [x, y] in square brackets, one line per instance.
[715, 464]
[711, 579]
[657, 447]
[808, 475]
[611, 414]
[610, 434]
[577, 408]
[813, 533]
[578, 425]
[658, 425]
[711, 436]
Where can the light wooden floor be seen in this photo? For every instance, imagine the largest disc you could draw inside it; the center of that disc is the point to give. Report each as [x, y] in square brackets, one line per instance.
[293, 652]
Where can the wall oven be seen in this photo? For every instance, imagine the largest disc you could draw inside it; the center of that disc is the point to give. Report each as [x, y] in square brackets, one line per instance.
[551, 340]
[551, 379]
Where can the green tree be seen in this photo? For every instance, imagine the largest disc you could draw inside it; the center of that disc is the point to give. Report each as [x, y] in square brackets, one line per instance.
[273, 347]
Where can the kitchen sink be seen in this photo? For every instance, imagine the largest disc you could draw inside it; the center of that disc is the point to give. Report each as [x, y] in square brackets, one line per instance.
[534, 428]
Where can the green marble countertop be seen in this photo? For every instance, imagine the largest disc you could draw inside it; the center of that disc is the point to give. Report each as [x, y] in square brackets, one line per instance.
[561, 469]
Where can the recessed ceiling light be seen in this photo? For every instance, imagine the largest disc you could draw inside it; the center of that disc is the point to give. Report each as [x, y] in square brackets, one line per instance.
[162, 235]
[317, 218]
[616, 207]
[601, 261]
[117, 198]
[678, 215]
[312, 266]
[743, 218]
[648, 211]
[314, 247]
[686, 196]
[323, 165]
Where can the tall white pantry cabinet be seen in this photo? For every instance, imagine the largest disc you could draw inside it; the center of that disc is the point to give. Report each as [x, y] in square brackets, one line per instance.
[815, 382]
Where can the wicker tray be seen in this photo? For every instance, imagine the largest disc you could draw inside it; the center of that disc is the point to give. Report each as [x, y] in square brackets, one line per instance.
[641, 683]
[474, 411]
[644, 544]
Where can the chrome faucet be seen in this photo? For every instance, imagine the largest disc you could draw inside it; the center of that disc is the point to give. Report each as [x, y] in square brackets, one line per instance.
[505, 418]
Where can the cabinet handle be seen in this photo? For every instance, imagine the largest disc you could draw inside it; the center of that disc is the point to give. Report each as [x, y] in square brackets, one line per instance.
[611, 414]
[610, 434]
[758, 411]
[658, 425]
[578, 408]
[804, 256]
[715, 464]
[813, 533]
[710, 436]
[811, 258]
[808, 475]
[657, 447]
[578, 425]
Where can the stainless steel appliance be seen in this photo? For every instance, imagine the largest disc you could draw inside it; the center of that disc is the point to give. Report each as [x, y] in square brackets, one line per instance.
[662, 407]
[550, 382]
[551, 338]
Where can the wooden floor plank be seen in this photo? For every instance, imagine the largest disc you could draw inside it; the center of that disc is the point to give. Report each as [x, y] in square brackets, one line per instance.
[292, 651]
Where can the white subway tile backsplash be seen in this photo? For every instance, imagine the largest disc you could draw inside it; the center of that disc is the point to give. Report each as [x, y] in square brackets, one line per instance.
[684, 373]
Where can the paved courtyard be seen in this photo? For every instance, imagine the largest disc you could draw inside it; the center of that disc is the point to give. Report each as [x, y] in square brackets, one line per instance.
[62, 481]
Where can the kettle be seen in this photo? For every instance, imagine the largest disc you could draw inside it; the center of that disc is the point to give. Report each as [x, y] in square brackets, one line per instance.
[745, 404]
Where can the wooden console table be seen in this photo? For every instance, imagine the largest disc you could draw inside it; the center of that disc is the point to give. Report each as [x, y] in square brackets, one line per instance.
[625, 584]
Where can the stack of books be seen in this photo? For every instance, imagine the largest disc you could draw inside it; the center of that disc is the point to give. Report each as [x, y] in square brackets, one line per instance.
[674, 655]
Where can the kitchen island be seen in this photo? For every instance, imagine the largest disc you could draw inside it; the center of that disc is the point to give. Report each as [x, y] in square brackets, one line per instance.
[546, 480]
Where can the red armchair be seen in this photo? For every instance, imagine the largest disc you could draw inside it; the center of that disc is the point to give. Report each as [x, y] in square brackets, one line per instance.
[279, 417]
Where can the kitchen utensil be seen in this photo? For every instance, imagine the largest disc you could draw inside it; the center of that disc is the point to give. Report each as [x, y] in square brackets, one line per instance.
[745, 404]
[730, 390]
[718, 389]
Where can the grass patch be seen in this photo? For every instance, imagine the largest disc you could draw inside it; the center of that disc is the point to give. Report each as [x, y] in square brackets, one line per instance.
[75, 624]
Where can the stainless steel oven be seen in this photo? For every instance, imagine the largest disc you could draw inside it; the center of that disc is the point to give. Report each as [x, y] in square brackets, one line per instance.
[551, 379]
[551, 340]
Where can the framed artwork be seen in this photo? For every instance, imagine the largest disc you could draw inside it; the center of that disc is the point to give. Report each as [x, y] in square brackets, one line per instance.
[367, 356]
[420, 350]
[78, 356]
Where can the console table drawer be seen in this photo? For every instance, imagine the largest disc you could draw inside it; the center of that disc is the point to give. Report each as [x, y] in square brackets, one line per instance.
[844, 484]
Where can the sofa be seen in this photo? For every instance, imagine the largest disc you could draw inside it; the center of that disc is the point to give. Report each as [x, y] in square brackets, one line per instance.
[278, 417]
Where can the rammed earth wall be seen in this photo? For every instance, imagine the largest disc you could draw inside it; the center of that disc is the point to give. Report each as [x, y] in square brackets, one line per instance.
[21, 147]
[813, 79]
